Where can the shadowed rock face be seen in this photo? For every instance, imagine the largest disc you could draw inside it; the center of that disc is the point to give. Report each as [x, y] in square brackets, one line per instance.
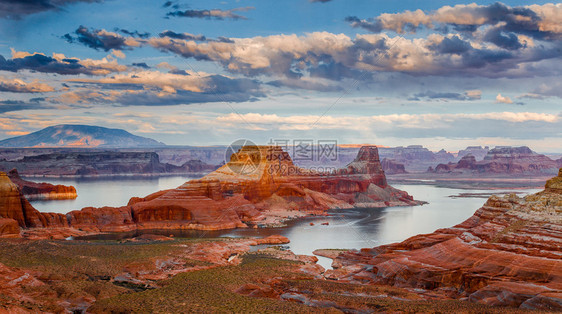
[502, 160]
[99, 163]
[392, 167]
[258, 181]
[507, 253]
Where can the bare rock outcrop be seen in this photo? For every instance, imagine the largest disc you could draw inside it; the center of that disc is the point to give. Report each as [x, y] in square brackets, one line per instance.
[507, 253]
[502, 160]
[14, 205]
[44, 191]
[259, 182]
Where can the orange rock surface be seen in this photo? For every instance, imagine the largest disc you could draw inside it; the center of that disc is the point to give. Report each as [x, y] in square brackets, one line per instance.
[15, 206]
[235, 195]
[9, 228]
[260, 185]
[508, 253]
[47, 191]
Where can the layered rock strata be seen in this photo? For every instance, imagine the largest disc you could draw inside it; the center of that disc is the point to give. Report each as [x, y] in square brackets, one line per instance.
[15, 207]
[42, 191]
[260, 185]
[502, 160]
[258, 181]
[508, 253]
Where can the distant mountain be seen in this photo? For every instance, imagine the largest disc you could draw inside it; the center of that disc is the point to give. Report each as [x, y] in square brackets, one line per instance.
[67, 135]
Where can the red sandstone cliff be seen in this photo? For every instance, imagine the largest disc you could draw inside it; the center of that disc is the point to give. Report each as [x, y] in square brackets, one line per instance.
[507, 253]
[46, 191]
[260, 185]
[14, 207]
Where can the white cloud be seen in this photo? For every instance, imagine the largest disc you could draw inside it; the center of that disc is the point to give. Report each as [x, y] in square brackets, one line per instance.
[503, 99]
[19, 86]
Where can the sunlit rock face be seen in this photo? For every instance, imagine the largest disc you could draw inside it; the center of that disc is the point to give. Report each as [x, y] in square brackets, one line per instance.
[14, 205]
[257, 182]
[43, 191]
[507, 253]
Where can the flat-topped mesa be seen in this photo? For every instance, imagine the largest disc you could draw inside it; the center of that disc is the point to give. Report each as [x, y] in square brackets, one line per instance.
[502, 160]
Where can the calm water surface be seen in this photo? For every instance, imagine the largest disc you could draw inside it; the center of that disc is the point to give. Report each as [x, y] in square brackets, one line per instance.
[347, 229]
[99, 192]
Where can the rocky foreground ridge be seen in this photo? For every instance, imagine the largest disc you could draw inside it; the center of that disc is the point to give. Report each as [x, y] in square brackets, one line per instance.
[270, 191]
[508, 253]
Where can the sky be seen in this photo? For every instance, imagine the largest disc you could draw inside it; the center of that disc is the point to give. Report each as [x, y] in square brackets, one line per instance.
[443, 74]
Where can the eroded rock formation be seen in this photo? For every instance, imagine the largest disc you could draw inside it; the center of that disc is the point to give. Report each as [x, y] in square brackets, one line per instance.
[260, 185]
[508, 253]
[392, 167]
[13, 205]
[501, 160]
[45, 191]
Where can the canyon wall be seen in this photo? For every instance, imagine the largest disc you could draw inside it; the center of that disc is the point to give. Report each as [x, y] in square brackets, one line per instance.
[507, 253]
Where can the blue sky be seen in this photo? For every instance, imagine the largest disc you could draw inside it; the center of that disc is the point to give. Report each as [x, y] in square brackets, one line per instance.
[444, 74]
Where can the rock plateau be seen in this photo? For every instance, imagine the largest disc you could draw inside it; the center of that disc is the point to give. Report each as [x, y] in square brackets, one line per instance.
[502, 160]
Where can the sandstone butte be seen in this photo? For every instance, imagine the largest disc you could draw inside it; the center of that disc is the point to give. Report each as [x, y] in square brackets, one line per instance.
[508, 253]
[230, 197]
[43, 191]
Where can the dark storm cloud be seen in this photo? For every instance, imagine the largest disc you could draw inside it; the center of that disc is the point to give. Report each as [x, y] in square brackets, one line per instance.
[97, 39]
[16, 9]
[216, 14]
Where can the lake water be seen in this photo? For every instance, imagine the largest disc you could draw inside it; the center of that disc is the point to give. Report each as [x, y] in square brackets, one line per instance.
[347, 229]
[109, 191]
